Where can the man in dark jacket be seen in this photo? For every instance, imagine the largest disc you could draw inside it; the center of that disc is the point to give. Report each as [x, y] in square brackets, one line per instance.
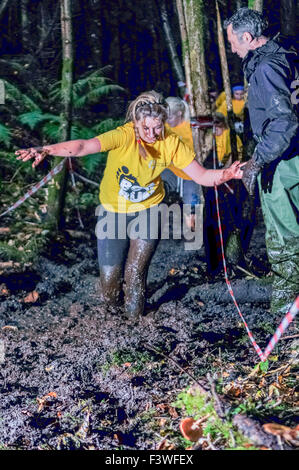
[270, 69]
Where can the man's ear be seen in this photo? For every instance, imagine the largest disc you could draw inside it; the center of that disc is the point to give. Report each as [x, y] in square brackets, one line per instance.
[247, 37]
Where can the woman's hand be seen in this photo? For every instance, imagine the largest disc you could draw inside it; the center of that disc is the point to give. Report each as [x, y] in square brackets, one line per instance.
[38, 153]
[233, 172]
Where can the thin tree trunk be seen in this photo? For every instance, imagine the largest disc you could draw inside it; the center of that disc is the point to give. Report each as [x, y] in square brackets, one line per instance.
[176, 64]
[3, 6]
[227, 85]
[256, 5]
[25, 25]
[57, 189]
[288, 17]
[186, 54]
[192, 31]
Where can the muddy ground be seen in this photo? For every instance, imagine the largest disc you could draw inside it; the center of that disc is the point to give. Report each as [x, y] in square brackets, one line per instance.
[74, 378]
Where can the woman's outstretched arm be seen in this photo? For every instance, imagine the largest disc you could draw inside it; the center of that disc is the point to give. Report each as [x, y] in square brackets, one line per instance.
[205, 177]
[71, 148]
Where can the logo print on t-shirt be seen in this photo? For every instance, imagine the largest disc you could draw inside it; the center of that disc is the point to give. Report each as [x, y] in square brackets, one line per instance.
[130, 188]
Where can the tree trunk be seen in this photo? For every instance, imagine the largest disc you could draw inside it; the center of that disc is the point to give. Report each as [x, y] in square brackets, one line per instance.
[57, 189]
[3, 5]
[25, 25]
[176, 64]
[256, 5]
[288, 17]
[227, 85]
[192, 31]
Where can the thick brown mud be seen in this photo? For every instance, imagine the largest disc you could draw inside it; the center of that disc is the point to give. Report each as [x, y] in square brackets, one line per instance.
[74, 376]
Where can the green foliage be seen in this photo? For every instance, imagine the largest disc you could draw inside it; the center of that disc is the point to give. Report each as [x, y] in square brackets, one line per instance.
[106, 125]
[18, 99]
[197, 405]
[136, 358]
[5, 135]
[33, 118]
[89, 89]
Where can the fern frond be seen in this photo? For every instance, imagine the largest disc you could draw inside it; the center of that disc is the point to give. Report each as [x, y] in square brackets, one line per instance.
[5, 135]
[81, 132]
[17, 97]
[34, 118]
[91, 162]
[52, 130]
[106, 125]
[95, 95]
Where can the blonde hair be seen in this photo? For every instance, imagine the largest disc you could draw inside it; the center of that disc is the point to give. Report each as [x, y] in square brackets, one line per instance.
[178, 105]
[148, 104]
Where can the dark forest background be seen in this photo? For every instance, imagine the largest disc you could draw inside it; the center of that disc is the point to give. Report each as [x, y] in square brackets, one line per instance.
[125, 34]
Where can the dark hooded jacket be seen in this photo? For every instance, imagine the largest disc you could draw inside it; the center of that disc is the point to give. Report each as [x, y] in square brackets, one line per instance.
[271, 71]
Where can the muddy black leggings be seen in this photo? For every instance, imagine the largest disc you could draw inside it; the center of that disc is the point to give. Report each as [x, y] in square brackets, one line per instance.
[124, 253]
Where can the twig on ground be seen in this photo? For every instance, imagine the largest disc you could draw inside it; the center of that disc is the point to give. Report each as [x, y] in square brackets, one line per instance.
[247, 272]
[201, 385]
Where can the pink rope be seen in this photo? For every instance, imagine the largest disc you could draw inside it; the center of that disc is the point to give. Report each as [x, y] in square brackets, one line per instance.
[289, 317]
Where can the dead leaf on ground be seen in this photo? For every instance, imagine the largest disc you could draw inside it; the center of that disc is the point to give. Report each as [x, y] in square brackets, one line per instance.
[173, 271]
[42, 402]
[168, 409]
[32, 297]
[289, 434]
[165, 444]
[10, 327]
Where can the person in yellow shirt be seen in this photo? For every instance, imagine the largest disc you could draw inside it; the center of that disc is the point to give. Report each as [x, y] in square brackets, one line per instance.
[238, 102]
[175, 179]
[130, 189]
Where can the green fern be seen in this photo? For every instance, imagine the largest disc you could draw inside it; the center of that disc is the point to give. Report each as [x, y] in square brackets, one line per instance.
[89, 89]
[106, 125]
[33, 118]
[16, 97]
[5, 135]
[91, 162]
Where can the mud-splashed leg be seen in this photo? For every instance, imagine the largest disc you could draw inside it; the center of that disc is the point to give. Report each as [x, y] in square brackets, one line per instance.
[110, 285]
[139, 257]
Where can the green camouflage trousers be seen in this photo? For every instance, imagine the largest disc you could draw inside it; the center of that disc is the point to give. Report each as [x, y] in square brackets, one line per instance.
[281, 215]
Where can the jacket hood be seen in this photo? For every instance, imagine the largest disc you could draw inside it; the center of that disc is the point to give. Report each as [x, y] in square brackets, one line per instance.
[278, 45]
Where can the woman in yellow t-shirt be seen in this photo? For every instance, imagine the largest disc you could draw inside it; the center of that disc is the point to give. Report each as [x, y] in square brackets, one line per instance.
[130, 191]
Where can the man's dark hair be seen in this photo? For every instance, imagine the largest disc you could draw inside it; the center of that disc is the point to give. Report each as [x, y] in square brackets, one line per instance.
[247, 20]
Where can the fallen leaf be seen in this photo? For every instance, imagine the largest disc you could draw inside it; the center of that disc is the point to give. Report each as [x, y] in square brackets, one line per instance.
[162, 422]
[10, 327]
[31, 297]
[165, 444]
[173, 413]
[276, 429]
[42, 402]
[173, 271]
[127, 364]
[4, 290]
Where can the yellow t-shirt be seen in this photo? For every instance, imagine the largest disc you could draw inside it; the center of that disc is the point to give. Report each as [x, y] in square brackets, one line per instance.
[220, 99]
[238, 108]
[223, 146]
[130, 182]
[184, 132]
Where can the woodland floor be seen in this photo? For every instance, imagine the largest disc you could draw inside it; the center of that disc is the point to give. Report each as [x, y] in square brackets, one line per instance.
[74, 378]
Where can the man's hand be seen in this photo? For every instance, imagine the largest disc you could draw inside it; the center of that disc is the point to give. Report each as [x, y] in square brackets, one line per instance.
[250, 172]
[38, 153]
